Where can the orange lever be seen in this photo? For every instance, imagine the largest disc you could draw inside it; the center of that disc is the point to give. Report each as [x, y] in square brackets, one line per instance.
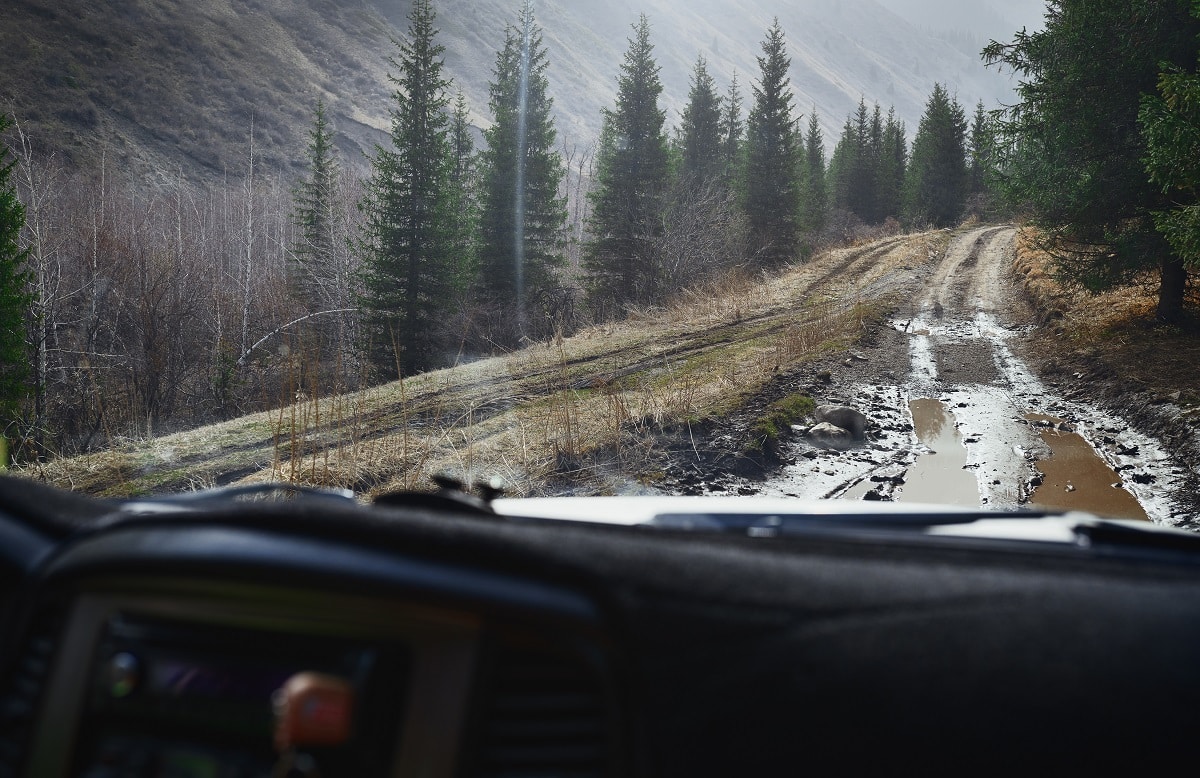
[312, 709]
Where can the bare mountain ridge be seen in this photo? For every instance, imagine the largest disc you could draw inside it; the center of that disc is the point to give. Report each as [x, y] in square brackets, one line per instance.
[166, 87]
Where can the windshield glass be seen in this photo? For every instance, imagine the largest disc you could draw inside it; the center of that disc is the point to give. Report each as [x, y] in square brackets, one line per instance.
[886, 250]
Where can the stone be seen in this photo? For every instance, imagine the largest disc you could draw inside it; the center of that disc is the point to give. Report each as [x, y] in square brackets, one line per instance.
[843, 416]
[831, 436]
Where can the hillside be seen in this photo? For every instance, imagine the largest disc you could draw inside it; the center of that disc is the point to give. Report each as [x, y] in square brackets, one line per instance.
[931, 336]
[163, 86]
[166, 87]
[595, 412]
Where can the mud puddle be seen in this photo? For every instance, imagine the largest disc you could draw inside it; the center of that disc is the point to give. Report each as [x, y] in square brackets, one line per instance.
[1075, 477]
[957, 421]
[938, 476]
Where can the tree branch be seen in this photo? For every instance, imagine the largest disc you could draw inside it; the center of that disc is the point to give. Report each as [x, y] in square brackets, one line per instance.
[242, 360]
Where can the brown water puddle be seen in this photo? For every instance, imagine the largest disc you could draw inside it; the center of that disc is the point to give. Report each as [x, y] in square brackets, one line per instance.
[938, 477]
[1076, 478]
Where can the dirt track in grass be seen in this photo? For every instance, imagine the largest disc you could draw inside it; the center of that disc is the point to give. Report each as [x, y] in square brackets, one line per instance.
[909, 329]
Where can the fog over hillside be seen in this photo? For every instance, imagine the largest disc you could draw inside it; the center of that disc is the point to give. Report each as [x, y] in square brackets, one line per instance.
[993, 18]
[166, 87]
[842, 51]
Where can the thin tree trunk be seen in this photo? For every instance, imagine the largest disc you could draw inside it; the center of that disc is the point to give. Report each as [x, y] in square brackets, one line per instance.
[1172, 290]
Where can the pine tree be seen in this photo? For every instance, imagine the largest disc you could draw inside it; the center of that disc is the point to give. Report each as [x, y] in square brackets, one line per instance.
[523, 218]
[843, 164]
[632, 181]
[15, 297]
[815, 202]
[870, 162]
[732, 129]
[1073, 151]
[408, 234]
[771, 187]
[464, 207]
[858, 168]
[980, 151]
[893, 164]
[700, 129]
[1170, 122]
[315, 275]
[936, 184]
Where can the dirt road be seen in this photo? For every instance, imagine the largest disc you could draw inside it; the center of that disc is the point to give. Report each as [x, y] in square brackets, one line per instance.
[957, 416]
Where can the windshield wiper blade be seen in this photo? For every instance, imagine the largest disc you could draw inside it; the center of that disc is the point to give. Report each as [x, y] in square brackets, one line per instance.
[213, 498]
[769, 525]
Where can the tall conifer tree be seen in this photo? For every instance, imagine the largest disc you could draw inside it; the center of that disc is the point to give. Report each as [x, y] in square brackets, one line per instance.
[408, 238]
[815, 202]
[1170, 122]
[1074, 153]
[892, 166]
[937, 180]
[632, 182]
[523, 217]
[843, 164]
[732, 129]
[771, 188]
[316, 276]
[700, 129]
[464, 205]
[15, 297]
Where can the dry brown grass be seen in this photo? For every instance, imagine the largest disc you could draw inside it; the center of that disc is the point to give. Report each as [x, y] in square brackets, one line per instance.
[587, 409]
[1117, 327]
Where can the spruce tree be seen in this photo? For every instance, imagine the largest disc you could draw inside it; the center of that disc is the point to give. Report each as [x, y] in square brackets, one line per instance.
[408, 233]
[771, 186]
[815, 202]
[464, 207]
[523, 221]
[315, 276]
[893, 164]
[843, 165]
[980, 151]
[631, 184]
[15, 297]
[700, 129]
[866, 176]
[937, 180]
[732, 130]
[1073, 152]
[1170, 122]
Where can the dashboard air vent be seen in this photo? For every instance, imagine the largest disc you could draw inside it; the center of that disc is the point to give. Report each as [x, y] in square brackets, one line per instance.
[545, 715]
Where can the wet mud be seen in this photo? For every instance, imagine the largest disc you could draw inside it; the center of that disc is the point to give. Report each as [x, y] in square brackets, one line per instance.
[938, 475]
[957, 416]
[1075, 477]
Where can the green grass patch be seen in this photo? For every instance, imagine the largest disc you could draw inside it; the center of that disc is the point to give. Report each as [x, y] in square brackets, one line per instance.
[778, 419]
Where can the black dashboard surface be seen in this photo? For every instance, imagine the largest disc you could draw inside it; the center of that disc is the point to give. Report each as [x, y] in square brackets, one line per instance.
[528, 647]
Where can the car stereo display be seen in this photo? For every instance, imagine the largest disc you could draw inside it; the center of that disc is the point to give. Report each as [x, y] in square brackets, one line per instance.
[187, 700]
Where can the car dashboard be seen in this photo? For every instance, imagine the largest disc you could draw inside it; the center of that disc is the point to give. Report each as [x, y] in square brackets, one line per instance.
[439, 636]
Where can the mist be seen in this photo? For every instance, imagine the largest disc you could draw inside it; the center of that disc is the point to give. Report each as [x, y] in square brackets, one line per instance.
[993, 18]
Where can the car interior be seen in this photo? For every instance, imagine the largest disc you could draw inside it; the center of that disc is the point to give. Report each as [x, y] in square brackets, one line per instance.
[274, 632]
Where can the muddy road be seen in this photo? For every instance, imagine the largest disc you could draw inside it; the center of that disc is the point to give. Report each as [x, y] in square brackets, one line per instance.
[957, 416]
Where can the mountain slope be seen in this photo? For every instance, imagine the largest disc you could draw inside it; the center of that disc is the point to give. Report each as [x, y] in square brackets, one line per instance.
[169, 87]
[842, 50]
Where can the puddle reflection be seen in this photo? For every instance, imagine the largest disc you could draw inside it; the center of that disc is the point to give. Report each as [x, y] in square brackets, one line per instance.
[938, 477]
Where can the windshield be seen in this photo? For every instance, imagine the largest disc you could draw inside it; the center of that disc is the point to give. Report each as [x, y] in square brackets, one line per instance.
[886, 250]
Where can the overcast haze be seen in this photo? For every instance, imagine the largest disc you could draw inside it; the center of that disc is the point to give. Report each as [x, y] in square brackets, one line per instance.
[994, 18]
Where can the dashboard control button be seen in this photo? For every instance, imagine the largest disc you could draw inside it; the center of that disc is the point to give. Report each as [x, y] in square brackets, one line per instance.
[124, 675]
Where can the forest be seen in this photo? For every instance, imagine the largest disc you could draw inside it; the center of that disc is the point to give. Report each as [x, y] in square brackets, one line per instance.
[129, 308]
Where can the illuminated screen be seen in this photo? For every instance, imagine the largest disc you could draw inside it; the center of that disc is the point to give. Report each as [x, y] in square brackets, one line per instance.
[180, 678]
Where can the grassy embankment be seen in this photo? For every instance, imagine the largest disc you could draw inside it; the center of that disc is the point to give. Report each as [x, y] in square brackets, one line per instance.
[1115, 332]
[1110, 349]
[587, 410]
